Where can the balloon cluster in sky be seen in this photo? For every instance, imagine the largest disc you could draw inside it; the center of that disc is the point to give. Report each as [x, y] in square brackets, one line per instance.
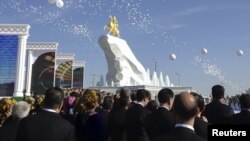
[138, 16]
[205, 51]
[239, 52]
[59, 3]
[213, 70]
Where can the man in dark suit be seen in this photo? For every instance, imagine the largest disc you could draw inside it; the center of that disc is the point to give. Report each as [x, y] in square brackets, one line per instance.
[20, 110]
[47, 125]
[244, 116]
[185, 110]
[217, 112]
[117, 120]
[200, 123]
[136, 115]
[162, 120]
[133, 99]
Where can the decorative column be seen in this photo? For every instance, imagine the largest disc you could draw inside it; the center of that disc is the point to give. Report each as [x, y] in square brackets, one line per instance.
[18, 90]
[29, 72]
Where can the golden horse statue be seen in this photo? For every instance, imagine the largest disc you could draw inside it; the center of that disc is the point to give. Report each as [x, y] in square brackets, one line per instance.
[113, 26]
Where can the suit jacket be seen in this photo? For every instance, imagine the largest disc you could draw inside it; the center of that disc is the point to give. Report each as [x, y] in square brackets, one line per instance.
[217, 113]
[159, 122]
[9, 129]
[180, 134]
[136, 130]
[80, 121]
[132, 104]
[117, 124]
[240, 118]
[94, 129]
[200, 127]
[45, 126]
[104, 113]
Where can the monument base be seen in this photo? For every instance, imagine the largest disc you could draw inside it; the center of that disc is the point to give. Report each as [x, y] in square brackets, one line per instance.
[153, 89]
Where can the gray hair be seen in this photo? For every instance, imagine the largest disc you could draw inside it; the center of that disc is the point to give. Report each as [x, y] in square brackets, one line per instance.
[21, 109]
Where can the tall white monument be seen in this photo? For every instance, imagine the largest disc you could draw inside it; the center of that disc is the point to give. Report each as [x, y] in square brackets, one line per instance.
[123, 67]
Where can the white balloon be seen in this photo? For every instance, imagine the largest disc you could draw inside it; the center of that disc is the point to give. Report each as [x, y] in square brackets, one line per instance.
[240, 52]
[52, 1]
[59, 3]
[172, 56]
[204, 51]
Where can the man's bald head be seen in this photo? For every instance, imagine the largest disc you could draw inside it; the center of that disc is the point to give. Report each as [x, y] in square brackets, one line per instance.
[185, 106]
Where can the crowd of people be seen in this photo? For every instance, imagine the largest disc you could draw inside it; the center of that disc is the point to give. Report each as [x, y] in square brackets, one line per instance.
[91, 115]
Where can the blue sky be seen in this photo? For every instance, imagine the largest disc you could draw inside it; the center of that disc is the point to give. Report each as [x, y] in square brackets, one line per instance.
[153, 29]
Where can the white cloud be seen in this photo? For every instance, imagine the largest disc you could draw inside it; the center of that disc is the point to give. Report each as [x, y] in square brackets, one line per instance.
[190, 11]
[170, 27]
[200, 9]
[176, 26]
[226, 7]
